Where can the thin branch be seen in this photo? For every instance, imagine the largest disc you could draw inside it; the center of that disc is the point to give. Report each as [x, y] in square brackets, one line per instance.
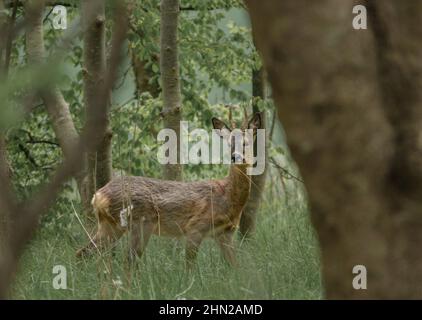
[32, 160]
[123, 78]
[135, 30]
[48, 15]
[286, 174]
[33, 140]
[55, 144]
[273, 125]
[28, 155]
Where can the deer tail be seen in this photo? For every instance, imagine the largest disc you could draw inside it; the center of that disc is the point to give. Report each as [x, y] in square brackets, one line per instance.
[100, 204]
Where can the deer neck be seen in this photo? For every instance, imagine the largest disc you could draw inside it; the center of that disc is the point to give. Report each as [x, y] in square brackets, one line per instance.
[239, 184]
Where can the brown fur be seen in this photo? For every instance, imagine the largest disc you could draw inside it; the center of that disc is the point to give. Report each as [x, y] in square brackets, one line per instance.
[170, 208]
[194, 210]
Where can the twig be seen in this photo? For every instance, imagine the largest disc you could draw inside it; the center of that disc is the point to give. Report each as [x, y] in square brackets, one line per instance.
[32, 140]
[123, 79]
[28, 155]
[284, 171]
[273, 125]
[32, 160]
[48, 15]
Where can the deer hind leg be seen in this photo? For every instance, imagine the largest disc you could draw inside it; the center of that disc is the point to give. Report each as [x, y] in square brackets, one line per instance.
[226, 244]
[107, 234]
[139, 237]
[192, 245]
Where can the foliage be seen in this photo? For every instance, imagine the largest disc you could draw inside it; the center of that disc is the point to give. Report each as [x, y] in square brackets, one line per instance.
[215, 52]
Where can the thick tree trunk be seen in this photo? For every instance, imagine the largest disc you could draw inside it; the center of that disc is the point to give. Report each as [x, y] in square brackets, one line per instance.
[170, 79]
[4, 213]
[3, 35]
[357, 144]
[399, 53]
[5, 170]
[99, 163]
[57, 107]
[6, 216]
[248, 219]
[3, 216]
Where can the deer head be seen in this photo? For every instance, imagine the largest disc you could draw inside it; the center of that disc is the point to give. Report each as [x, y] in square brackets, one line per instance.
[240, 140]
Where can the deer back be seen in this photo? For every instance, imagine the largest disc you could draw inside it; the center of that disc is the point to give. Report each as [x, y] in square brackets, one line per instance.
[176, 207]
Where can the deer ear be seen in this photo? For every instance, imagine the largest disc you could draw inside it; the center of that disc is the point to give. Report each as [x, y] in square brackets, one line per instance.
[218, 124]
[256, 121]
[221, 126]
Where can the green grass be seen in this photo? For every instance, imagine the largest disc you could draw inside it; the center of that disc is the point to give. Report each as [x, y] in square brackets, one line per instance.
[280, 262]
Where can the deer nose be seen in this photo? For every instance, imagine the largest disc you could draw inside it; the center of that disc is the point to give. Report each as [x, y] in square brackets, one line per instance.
[237, 158]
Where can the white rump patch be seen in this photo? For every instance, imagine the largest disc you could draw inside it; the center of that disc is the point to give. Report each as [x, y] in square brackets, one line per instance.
[124, 214]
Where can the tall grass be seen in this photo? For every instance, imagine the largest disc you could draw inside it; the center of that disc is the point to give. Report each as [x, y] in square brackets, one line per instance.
[279, 262]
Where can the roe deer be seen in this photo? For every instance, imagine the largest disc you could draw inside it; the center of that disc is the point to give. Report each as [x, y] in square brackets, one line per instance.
[146, 206]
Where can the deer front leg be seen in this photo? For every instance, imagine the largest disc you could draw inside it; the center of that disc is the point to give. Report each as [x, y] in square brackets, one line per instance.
[192, 244]
[140, 234]
[226, 244]
[105, 236]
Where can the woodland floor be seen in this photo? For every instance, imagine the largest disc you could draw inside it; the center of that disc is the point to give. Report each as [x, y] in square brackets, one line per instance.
[280, 262]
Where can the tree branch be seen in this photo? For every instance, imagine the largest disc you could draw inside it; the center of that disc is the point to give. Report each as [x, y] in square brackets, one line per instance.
[285, 173]
[9, 41]
[26, 215]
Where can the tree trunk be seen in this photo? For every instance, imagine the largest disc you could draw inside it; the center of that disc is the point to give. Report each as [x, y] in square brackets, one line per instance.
[248, 219]
[99, 163]
[6, 220]
[3, 34]
[170, 79]
[4, 164]
[399, 71]
[4, 212]
[357, 144]
[57, 107]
